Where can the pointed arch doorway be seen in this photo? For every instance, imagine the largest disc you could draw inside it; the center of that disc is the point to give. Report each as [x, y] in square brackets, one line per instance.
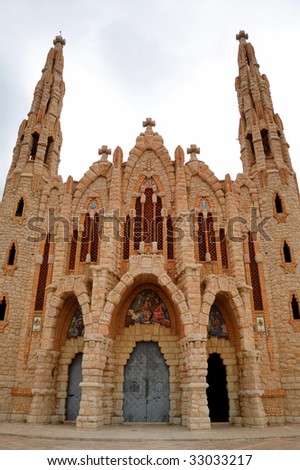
[146, 385]
[217, 394]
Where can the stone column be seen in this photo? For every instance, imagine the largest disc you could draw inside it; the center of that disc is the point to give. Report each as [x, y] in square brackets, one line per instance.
[44, 392]
[93, 365]
[250, 394]
[194, 358]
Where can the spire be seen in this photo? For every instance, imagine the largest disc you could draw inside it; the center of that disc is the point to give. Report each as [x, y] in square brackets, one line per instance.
[261, 133]
[39, 139]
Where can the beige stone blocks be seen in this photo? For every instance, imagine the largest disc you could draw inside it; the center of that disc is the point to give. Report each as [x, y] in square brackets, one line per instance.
[254, 360]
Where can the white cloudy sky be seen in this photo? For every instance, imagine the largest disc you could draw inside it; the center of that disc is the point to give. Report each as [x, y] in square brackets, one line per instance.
[125, 60]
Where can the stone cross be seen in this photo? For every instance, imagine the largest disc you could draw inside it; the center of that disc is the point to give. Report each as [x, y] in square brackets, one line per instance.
[149, 123]
[241, 35]
[193, 150]
[104, 152]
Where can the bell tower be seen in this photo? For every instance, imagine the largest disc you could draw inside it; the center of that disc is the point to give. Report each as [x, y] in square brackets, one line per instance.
[39, 140]
[261, 134]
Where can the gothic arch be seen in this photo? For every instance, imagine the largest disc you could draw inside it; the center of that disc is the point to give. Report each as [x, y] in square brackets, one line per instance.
[47, 189]
[72, 289]
[202, 170]
[139, 273]
[98, 169]
[223, 290]
[165, 350]
[243, 180]
[144, 142]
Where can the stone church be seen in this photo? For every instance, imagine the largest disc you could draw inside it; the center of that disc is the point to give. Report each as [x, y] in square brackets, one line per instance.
[150, 290]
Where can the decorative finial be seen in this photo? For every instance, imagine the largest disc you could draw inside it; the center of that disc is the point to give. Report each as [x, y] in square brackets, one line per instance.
[149, 123]
[104, 152]
[59, 40]
[193, 150]
[241, 35]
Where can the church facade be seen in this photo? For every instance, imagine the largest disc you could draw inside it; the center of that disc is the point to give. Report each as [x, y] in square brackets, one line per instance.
[150, 290]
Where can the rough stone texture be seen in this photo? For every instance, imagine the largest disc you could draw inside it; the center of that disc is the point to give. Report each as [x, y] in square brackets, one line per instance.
[102, 275]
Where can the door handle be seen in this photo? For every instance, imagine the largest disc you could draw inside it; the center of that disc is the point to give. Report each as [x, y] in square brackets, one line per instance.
[147, 387]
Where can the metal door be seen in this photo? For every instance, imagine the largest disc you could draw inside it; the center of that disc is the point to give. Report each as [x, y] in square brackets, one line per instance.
[146, 385]
[74, 391]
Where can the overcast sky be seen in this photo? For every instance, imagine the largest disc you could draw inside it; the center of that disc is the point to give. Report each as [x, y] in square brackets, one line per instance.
[125, 60]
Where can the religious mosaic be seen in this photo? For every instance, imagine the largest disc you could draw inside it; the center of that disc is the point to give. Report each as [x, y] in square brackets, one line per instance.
[147, 307]
[216, 323]
[76, 327]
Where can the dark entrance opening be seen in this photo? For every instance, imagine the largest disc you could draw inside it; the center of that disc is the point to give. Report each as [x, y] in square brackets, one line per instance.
[74, 390]
[146, 385]
[217, 395]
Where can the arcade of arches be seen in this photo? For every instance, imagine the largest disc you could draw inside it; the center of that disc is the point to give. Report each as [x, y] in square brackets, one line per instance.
[145, 363]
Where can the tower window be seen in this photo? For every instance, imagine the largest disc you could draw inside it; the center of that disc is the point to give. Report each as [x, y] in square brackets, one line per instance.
[295, 308]
[50, 141]
[12, 255]
[287, 253]
[266, 144]
[250, 140]
[278, 204]
[35, 139]
[2, 308]
[20, 208]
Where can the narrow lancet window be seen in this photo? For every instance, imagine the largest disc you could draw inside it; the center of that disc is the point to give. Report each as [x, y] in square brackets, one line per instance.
[126, 242]
[278, 204]
[12, 255]
[287, 253]
[20, 208]
[170, 238]
[254, 273]
[34, 145]
[265, 142]
[2, 308]
[295, 308]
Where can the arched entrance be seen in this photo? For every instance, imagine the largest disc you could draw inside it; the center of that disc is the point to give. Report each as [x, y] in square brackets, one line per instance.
[217, 395]
[74, 390]
[146, 385]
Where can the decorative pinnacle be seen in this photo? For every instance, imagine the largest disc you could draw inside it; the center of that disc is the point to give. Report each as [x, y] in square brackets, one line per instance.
[193, 150]
[59, 40]
[149, 123]
[104, 152]
[241, 35]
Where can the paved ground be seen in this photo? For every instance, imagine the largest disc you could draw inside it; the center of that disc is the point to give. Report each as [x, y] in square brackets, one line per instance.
[17, 436]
